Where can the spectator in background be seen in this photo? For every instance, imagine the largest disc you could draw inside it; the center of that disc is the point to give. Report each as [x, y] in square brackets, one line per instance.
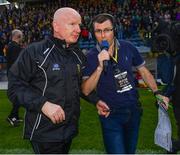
[178, 14]
[34, 19]
[1, 47]
[167, 16]
[13, 51]
[85, 33]
[46, 80]
[2, 44]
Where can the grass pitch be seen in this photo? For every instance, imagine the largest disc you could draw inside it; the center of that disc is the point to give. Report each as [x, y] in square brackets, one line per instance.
[89, 140]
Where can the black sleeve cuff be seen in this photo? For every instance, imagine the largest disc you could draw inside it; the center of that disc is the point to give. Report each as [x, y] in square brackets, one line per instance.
[39, 103]
[158, 92]
[92, 97]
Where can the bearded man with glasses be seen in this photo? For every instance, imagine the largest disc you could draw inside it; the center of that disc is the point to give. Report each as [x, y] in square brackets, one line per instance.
[117, 97]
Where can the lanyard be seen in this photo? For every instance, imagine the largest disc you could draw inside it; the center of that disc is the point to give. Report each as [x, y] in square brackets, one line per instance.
[115, 55]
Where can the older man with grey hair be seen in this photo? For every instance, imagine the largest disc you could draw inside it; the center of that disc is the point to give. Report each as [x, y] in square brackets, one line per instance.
[13, 51]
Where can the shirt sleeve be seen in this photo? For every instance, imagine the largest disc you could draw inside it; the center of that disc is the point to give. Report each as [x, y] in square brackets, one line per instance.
[91, 64]
[137, 58]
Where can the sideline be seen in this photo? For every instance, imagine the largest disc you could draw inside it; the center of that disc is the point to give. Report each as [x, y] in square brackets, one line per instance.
[3, 85]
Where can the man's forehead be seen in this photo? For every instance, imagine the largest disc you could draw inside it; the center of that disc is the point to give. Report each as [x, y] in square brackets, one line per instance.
[71, 18]
[106, 23]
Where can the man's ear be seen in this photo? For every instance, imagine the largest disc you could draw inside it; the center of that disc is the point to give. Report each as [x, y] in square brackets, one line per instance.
[55, 26]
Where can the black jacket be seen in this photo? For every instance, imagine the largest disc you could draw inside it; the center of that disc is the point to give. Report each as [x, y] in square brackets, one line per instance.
[48, 71]
[13, 52]
[175, 94]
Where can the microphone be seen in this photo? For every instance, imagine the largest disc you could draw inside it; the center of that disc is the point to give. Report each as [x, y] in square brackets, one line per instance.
[104, 45]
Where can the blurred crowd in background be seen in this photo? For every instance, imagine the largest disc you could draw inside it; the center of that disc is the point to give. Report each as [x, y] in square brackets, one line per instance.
[34, 18]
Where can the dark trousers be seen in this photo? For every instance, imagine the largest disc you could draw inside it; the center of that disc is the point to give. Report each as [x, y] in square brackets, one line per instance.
[51, 147]
[177, 117]
[176, 143]
[15, 106]
[15, 111]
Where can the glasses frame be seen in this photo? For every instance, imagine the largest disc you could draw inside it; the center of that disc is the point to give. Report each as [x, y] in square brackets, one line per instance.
[105, 31]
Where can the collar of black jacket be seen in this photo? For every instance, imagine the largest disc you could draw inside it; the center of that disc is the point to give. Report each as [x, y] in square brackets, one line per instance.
[14, 43]
[62, 44]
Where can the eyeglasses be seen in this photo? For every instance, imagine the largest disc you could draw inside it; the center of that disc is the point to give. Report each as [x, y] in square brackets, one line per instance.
[106, 31]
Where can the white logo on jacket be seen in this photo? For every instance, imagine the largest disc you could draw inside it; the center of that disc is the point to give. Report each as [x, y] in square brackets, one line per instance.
[56, 67]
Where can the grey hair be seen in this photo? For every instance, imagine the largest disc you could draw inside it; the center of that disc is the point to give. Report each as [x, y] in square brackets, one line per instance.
[16, 32]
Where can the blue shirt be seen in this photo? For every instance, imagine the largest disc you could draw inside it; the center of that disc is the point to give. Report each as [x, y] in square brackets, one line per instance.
[127, 56]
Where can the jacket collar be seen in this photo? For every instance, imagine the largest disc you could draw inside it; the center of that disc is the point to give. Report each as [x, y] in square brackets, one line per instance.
[62, 44]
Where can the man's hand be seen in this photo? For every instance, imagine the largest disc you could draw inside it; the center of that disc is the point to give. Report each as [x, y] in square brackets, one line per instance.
[102, 108]
[163, 100]
[104, 55]
[53, 112]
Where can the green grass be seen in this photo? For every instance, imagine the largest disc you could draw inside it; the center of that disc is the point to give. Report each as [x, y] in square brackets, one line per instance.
[89, 139]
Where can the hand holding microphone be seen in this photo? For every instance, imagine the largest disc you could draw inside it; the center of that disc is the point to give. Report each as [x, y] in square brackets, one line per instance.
[103, 56]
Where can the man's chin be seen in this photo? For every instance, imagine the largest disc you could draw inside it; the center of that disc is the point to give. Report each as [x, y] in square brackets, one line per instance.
[74, 41]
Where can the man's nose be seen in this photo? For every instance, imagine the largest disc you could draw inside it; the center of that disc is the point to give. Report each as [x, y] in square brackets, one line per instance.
[78, 29]
[102, 34]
